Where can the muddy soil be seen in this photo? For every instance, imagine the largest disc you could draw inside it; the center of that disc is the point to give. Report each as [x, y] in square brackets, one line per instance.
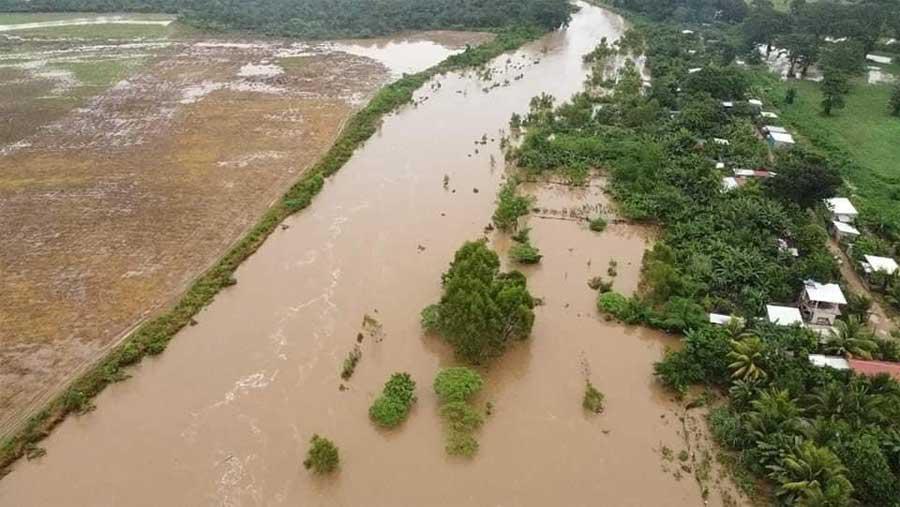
[224, 416]
[110, 205]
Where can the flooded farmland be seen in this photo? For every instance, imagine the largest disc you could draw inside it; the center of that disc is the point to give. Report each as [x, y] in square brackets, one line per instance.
[224, 416]
[128, 166]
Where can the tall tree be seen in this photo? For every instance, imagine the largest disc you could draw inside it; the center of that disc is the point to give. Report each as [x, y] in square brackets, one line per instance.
[835, 85]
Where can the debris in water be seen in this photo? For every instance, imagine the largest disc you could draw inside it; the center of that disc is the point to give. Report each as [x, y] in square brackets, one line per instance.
[359, 337]
[474, 190]
[421, 248]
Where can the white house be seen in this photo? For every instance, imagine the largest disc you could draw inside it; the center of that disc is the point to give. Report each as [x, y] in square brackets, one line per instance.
[727, 104]
[723, 320]
[836, 362]
[821, 303]
[769, 115]
[844, 231]
[695, 70]
[784, 315]
[729, 183]
[875, 264]
[885, 60]
[841, 209]
[755, 105]
[780, 140]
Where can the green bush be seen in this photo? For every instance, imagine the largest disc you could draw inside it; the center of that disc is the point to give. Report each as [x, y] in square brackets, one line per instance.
[510, 207]
[597, 224]
[350, 363]
[457, 384]
[525, 253]
[454, 387]
[461, 420]
[322, 457]
[431, 318]
[392, 407]
[593, 399]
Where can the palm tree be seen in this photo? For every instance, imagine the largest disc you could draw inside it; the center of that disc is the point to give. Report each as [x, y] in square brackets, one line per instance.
[775, 412]
[747, 356]
[811, 475]
[827, 402]
[851, 337]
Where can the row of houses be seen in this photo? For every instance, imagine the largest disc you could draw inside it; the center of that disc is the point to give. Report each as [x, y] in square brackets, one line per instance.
[843, 217]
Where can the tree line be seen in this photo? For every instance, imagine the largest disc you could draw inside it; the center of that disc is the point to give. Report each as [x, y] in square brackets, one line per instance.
[328, 18]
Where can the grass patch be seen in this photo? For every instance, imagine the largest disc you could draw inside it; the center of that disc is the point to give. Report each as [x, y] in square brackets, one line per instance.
[153, 336]
[106, 31]
[100, 73]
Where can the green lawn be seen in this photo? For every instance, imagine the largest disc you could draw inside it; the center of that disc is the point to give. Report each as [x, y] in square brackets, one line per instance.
[102, 73]
[863, 130]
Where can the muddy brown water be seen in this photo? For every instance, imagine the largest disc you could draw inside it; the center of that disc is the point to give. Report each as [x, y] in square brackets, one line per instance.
[224, 416]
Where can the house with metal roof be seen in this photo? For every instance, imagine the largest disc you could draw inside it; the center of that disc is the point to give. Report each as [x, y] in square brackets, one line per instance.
[841, 209]
[844, 232]
[820, 303]
[780, 140]
[784, 315]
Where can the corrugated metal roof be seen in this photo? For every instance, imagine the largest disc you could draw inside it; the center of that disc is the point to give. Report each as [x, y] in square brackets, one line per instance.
[824, 292]
[885, 264]
[841, 206]
[872, 368]
[784, 315]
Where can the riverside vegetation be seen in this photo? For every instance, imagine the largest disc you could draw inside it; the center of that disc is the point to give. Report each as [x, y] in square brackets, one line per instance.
[805, 435]
[392, 407]
[152, 337]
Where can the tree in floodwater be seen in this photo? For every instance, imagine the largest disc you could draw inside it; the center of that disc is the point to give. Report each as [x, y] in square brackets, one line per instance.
[481, 309]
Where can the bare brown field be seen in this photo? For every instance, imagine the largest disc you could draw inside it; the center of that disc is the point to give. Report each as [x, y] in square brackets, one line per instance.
[115, 193]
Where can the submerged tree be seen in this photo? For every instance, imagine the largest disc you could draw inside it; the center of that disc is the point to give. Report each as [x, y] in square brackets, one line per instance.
[481, 309]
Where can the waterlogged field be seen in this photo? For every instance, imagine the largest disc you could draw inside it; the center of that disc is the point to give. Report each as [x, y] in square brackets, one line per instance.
[133, 152]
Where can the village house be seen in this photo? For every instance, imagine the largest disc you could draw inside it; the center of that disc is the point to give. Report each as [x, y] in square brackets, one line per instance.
[876, 267]
[755, 105]
[769, 115]
[841, 209]
[779, 140]
[844, 232]
[784, 315]
[821, 303]
[720, 319]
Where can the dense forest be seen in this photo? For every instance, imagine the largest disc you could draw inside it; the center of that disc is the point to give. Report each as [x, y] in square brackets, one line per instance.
[329, 18]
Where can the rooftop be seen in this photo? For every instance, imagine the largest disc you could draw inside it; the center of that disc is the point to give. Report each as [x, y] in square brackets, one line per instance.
[755, 102]
[840, 206]
[782, 137]
[784, 315]
[776, 128]
[836, 362]
[768, 114]
[845, 228]
[721, 319]
[824, 292]
[729, 183]
[872, 368]
[884, 264]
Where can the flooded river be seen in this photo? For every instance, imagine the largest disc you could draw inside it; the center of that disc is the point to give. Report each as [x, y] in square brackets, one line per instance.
[224, 415]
